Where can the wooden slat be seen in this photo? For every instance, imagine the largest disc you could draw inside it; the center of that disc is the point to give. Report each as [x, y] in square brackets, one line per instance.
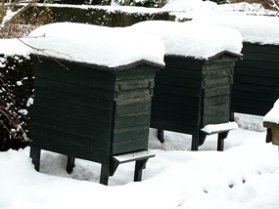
[257, 48]
[142, 71]
[180, 73]
[261, 57]
[255, 80]
[183, 62]
[129, 146]
[129, 133]
[68, 89]
[92, 133]
[179, 82]
[215, 82]
[76, 74]
[216, 91]
[133, 119]
[173, 125]
[221, 99]
[72, 147]
[175, 99]
[257, 72]
[270, 125]
[181, 109]
[134, 84]
[182, 91]
[133, 106]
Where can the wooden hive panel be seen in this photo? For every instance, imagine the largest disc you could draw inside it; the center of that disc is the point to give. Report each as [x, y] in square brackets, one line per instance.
[256, 79]
[73, 110]
[132, 110]
[176, 100]
[190, 93]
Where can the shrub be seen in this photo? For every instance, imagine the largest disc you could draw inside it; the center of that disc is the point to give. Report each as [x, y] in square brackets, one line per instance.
[16, 98]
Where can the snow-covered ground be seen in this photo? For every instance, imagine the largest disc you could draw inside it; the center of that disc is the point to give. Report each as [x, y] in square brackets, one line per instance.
[244, 176]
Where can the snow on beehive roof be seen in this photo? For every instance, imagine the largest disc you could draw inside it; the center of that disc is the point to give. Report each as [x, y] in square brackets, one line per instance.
[98, 45]
[193, 40]
[254, 29]
[273, 115]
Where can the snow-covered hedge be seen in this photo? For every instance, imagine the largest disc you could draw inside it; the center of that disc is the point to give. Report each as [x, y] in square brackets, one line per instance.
[103, 15]
[16, 99]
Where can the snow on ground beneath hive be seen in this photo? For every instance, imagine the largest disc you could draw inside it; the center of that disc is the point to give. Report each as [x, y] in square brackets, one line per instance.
[97, 45]
[254, 29]
[273, 115]
[193, 40]
[244, 176]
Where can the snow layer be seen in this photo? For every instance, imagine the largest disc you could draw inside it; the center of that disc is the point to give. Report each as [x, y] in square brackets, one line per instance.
[111, 47]
[175, 5]
[193, 40]
[254, 29]
[11, 47]
[273, 115]
[214, 128]
[238, 178]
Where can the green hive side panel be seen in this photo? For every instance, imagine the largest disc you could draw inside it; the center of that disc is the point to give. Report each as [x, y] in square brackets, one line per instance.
[256, 79]
[177, 97]
[132, 109]
[191, 93]
[217, 80]
[73, 110]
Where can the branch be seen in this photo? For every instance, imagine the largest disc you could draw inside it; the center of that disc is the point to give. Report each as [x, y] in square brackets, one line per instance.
[45, 53]
[7, 19]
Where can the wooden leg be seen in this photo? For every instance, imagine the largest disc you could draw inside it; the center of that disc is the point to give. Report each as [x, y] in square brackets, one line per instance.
[70, 164]
[160, 135]
[195, 142]
[104, 174]
[140, 165]
[232, 116]
[221, 137]
[35, 154]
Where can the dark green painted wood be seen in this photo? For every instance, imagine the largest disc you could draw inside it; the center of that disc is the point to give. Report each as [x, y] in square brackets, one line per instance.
[270, 125]
[178, 81]
[92, 112]
[256, 79]
[176, 90]
[217, 91]
[190, 94]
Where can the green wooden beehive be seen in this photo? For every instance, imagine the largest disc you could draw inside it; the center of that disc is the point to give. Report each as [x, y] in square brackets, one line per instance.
[93, 111]
[194, 89]
[191, 94]
[256, 78]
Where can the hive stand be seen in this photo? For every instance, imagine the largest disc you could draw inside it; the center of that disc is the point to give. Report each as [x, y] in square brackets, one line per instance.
[222, 135]
[107, 170]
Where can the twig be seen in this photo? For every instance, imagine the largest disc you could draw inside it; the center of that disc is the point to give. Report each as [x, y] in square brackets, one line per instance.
[18, 13]
[35, 49]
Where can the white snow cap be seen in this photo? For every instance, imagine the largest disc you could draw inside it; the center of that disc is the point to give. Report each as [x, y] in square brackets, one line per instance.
[105, 46]
[254, 29]
[10, 47]
[273, 115]
[193, 40]
[215, 128]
